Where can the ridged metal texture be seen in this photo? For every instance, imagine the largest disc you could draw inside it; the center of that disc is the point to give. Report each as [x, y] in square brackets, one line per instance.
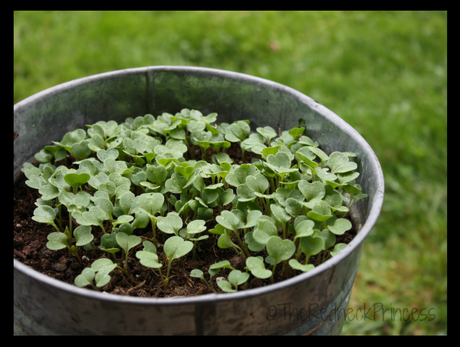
[312, 303]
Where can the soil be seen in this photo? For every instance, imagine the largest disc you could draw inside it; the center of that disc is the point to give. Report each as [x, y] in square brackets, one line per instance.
[29, 247]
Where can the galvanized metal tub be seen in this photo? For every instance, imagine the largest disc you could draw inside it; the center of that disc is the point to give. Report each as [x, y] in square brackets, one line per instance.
[312, 303]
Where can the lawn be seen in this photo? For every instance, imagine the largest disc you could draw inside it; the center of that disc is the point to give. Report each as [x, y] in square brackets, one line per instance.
[385, 73]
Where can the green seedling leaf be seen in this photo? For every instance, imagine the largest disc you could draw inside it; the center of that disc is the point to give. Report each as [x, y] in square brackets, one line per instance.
[253, 245]
[57, 241]
[304, 228]
[83, 235]
[320, 212]
[279, 249]
[311, 245]
[105, 205]
[268, 133]
[176, 247]
[265, 229]
[138, 176]
[171, 224]
[123, 219]
[235, 278]
[102, 267]
[280, 163]
[57, 179]
[215, 268]
[127, 201]
[307, 156]
[109, 243]
[338, 226]
[244, 193]
[258, 183]
[293, 207]
[279, 213]
[85, 278]
[347, 176]
[329, 238]
[324, 175]
[151, 203]
[209, 196]
[176, 184]
[337, 248]
[196, 227]
[333, 198]
[257, 267]
[44, 214]
[71, 138]
[252, 218]
[296, 132]
[238, 175]
[339, 162]
[127, 242]
[81, 150]
[148, 257]
[294, 263]
[225, 241]
[197, 273]
[185, 171]
[318, 152]
[44, 156]
[313, 192]
[237, 131]
[229, 220]
[157, 174]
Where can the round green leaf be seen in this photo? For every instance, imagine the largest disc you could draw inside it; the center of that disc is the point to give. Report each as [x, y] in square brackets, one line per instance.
[56, 241]
[127, 242]
[280, 249]
[85, 278]
[311, 245]
[175, 247]
[44, 214]
[236, 277]
[83, 235]
[148, 259]
[340, 226]
[257, 267]
[196, 273]
[337, 248]
[297, 266]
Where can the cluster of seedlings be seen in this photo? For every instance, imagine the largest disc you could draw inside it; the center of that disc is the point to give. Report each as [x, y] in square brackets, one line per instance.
[277, 211]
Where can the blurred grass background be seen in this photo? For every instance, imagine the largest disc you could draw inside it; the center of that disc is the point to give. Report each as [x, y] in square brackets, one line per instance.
[385, 73]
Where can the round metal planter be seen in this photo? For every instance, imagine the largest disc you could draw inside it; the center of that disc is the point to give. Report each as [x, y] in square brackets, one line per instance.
[312, 303]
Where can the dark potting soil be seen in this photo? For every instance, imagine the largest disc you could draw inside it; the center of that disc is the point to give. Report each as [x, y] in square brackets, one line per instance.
[29, 247]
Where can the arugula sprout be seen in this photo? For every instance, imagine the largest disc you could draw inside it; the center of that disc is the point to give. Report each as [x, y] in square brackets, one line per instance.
[175, 247]
[279, 250]
[199, 274]
[98, 272]
[235, 278]
[126, 242]
[289, 203]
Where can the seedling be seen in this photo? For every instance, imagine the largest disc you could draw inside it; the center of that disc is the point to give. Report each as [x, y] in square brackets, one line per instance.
[199, 274]
[257, 267]
[291, 199]
[235, 278]
[126, 243]
[279, 250]
[174, 248]
[97, 275]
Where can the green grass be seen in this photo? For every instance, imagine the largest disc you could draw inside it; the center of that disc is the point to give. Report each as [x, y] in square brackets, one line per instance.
[385, 73]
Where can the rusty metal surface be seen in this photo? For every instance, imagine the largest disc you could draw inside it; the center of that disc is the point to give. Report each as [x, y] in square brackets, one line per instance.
[308, 303]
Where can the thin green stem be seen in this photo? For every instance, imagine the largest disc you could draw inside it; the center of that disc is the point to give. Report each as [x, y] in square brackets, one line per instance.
[272, 278]
[242, 244]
